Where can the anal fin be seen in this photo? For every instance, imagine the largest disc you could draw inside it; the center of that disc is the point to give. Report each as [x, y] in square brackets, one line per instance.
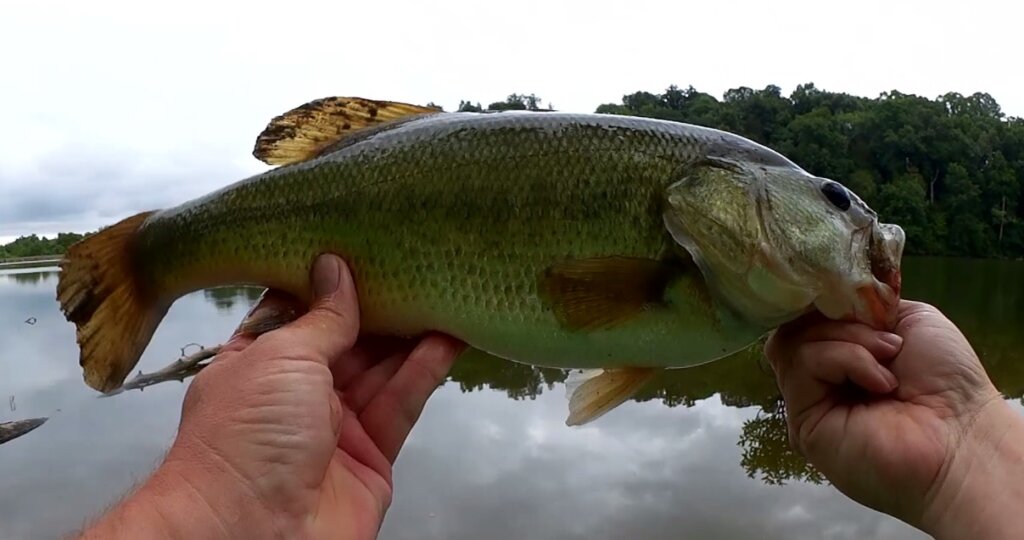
[594, 392]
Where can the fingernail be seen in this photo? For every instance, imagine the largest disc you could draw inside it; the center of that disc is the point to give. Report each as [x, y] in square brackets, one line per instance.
[891, 379]
[265, 319]
[892, 339]
[326, 275]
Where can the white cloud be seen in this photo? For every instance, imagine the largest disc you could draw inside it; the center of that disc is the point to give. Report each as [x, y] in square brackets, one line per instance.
[159, 103]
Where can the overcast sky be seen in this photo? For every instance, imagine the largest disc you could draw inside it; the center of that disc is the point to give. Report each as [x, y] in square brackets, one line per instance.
[112, 107]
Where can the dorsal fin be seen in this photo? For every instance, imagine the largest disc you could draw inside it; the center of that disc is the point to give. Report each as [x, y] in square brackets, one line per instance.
[305, 131]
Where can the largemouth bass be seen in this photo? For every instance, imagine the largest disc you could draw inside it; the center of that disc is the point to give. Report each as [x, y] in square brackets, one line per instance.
[614, 244]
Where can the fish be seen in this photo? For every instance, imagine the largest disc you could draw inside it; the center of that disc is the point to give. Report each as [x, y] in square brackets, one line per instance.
[610, 245]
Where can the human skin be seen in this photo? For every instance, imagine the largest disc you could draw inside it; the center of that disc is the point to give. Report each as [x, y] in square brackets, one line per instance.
[292, 434]
[907, 423]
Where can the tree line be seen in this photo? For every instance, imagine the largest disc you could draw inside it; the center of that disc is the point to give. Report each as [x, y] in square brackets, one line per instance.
[34, 245]
[949, 169]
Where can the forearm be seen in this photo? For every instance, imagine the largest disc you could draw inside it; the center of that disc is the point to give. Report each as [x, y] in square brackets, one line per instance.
[982, 492]
[170, 505]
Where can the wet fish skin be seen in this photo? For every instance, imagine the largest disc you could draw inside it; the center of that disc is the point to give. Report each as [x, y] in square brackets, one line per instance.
[448, 221]
[485, 227]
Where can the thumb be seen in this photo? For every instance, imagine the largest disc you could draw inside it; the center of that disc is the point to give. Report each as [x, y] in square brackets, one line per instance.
[331, 325]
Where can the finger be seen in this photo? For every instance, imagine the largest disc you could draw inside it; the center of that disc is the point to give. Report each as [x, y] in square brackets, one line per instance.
[882, 345]
[784, 342]
[273, 310]
[353, 441]
[390, 416]
[331, 325]
[914, 314]
[820, 366]
[364, 355]
[908, 307]
[367, 385]
[351, 365]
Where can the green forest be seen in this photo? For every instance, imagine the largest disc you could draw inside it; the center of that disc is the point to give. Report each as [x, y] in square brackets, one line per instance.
[949, 169]
[33, 245]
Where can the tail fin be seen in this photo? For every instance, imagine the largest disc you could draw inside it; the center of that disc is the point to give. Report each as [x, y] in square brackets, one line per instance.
[114, 313]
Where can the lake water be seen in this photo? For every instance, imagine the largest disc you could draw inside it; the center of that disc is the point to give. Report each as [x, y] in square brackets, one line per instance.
[701, 454]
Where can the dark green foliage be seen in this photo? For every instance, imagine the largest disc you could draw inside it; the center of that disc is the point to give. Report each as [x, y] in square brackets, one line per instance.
[34, 246]
[949, 169]
[514, 102]
[466, 106]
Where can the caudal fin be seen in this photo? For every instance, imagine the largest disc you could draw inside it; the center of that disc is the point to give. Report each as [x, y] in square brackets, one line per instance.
[113, 312]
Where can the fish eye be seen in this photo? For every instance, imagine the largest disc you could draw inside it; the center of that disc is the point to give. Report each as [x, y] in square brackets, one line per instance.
[837, 195]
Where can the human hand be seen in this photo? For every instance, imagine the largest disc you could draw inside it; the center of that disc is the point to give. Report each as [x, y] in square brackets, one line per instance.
[294, 433]
[905, 423]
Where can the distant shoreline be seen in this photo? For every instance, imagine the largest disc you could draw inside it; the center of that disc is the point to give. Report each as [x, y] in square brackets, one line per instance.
[54, 256]
[34, 261]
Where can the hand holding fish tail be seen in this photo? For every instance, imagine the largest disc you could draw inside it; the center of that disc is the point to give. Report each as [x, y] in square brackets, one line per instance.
[907, 422]
[292, 432]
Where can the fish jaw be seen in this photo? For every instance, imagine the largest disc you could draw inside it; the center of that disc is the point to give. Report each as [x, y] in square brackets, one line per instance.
[875, 306]
[885, 254]
[876, 294]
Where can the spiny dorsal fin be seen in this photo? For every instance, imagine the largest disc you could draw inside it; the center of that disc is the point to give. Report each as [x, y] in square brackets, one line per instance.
[305, 131]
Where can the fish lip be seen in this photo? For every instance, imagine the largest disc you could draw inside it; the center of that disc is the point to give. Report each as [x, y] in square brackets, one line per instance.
[878, 302]
[885, 253]
[876, 279]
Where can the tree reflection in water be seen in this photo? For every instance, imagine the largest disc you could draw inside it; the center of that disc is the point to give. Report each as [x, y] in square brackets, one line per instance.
[984, 298]
[225, 298]
[741, 380]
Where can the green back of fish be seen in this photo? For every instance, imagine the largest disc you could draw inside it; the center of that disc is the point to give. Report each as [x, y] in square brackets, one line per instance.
[452, 222]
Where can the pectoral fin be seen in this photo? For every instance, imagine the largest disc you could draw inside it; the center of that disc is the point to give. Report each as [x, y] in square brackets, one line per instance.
[594, 392]
[593, 294]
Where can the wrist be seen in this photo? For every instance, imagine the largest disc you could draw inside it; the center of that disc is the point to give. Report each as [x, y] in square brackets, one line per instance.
[183, 499]
[165, 507]
[981, 492]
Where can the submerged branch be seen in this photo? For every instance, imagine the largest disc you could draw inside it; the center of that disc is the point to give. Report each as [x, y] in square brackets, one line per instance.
[179, 370]
[12, 430]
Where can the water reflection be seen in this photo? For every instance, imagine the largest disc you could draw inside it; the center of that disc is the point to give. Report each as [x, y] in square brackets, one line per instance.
[985, 298]
[742, 380]
[225, 298]
[703, 448]
[33, 277]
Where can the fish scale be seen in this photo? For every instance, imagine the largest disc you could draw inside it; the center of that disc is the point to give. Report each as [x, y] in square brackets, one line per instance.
[447, 225]
[534, 237]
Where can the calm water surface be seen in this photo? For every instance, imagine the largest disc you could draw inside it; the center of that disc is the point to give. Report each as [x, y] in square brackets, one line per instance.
[702, 454]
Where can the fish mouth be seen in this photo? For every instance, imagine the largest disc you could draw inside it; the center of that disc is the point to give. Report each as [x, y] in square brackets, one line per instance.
[877, 303]
[872, 294]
